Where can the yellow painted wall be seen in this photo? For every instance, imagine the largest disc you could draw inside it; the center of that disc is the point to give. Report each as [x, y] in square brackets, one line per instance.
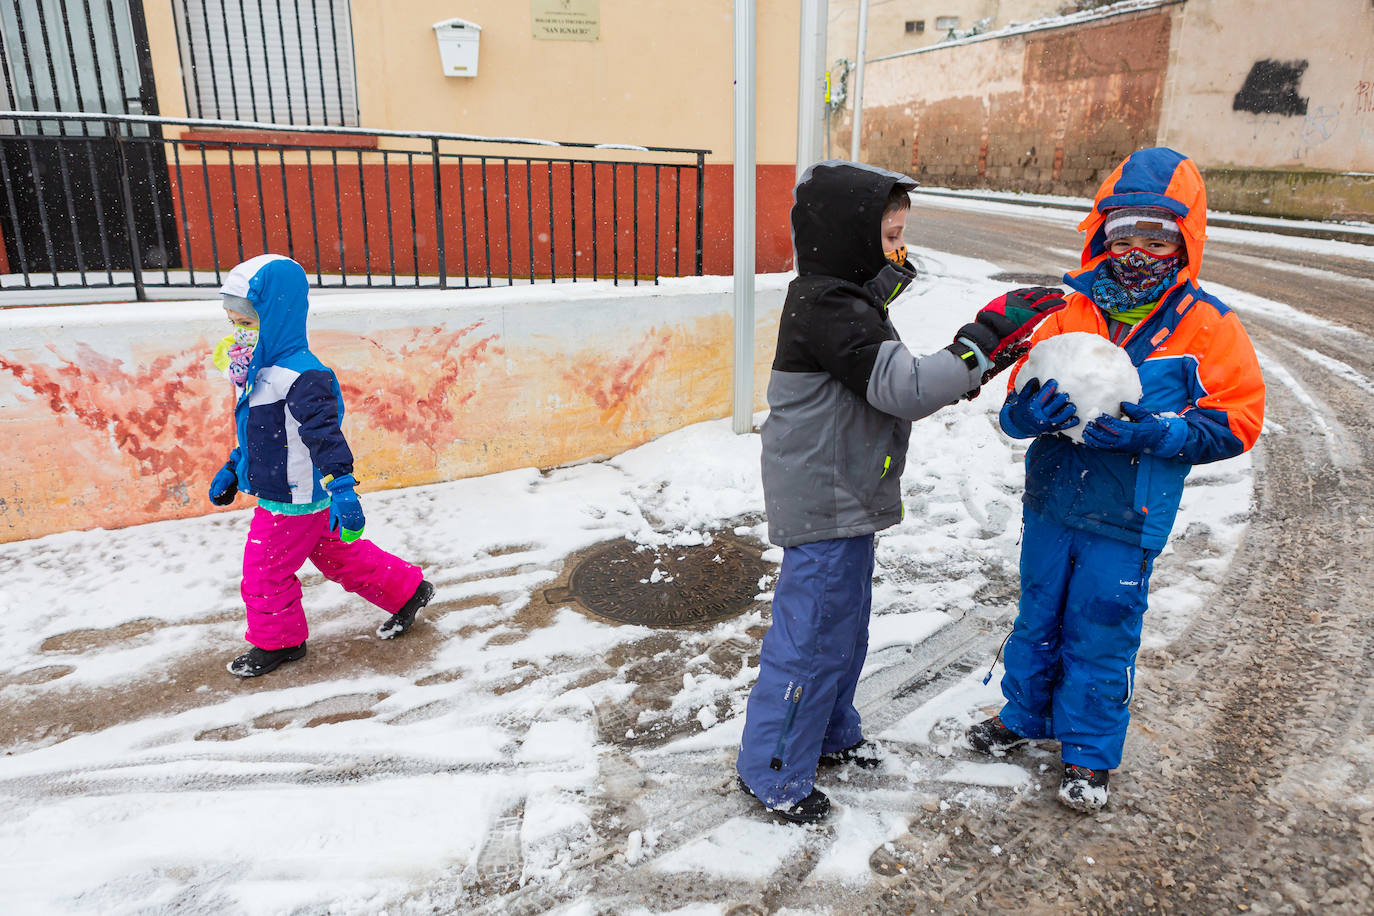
[113, 415]
[661, 74]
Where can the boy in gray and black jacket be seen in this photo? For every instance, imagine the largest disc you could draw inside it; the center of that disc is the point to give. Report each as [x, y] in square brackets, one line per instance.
[842, 394]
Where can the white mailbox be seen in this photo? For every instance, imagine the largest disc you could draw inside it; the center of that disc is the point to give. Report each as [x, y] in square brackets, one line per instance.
[458, 44]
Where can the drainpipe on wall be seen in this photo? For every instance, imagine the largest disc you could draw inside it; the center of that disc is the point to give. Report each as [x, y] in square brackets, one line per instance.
[859, 82]
[743, 387]
[811, 85]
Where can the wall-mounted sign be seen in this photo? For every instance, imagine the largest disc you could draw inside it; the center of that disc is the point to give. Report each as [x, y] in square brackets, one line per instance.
[566, 20]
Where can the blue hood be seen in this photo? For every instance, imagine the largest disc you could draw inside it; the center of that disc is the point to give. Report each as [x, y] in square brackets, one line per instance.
[279, 290]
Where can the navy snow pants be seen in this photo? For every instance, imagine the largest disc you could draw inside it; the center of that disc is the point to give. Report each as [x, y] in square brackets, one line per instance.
[1070, 660]
[802, 705]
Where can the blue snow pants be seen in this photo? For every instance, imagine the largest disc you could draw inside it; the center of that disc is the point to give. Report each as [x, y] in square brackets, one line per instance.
[1070, 660]
[802, 705]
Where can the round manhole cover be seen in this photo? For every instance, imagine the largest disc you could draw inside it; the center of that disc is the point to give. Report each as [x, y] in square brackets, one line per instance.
[666, 586]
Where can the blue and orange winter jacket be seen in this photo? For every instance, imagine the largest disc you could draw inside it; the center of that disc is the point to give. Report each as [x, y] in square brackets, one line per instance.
[289, 411]
[1194, 358]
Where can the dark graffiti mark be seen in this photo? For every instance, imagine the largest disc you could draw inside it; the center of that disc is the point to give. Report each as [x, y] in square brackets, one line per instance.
[1272, 88]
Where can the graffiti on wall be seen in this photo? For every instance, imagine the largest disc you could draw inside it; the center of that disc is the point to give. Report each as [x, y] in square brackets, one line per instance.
[1364, 97]
[95, 439]
[1272, 88]
[1320, 125]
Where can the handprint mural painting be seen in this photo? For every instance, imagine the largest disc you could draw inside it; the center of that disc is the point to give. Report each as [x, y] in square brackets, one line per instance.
[95, 436]
[114, 415]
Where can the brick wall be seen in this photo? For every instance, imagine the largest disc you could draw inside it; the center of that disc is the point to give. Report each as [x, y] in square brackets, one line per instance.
[1052, 111]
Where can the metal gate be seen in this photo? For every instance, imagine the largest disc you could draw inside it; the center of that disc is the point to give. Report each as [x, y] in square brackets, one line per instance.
[97, 203]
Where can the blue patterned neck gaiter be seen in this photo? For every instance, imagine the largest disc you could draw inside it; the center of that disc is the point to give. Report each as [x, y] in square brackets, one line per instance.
[1134, 278]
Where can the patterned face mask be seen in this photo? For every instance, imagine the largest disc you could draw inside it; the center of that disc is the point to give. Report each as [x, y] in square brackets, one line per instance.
[241, 353]
[1134, 278]
[897, 257]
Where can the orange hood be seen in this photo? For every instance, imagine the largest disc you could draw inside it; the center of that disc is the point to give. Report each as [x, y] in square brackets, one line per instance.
[1154, 177]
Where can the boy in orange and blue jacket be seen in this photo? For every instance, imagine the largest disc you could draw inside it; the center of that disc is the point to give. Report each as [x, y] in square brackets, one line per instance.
[1097, 514]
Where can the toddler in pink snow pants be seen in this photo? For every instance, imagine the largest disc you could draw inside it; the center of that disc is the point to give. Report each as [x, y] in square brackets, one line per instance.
[279, 545]
[293, 457]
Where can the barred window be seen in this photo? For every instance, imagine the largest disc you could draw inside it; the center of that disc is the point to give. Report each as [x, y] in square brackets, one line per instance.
[275, 61]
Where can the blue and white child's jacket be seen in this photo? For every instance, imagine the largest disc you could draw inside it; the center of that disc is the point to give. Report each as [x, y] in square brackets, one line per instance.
[289, 410]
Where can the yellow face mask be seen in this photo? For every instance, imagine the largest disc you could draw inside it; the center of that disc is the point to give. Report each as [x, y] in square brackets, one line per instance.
[221, 354]
[897, 257]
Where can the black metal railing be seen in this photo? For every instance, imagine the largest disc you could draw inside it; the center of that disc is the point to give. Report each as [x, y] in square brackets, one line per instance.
[144, 201]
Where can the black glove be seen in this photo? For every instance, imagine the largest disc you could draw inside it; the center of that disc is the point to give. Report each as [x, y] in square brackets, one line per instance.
[1001, 330]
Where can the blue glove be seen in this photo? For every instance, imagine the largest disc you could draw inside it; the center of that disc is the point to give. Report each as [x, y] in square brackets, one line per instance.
[225, 485]
[345, 513]
[1143, 433]
[1038, 409]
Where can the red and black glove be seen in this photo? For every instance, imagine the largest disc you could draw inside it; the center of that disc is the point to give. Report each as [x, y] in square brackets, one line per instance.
[1002, 328]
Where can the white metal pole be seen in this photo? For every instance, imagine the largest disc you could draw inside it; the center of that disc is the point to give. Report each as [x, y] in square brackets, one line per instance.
[743, 414]
[811, 85]
[859, 82]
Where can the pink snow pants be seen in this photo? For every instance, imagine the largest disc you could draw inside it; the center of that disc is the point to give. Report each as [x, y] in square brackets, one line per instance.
[279, 545]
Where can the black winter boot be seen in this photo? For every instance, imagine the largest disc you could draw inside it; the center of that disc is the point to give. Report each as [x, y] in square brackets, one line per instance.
[400, 621]
[993, 738]
[864, 755]
[809, 810]
[1084, 789]
[257, 661]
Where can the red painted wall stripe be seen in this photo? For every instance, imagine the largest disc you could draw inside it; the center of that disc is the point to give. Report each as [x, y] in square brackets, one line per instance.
[483, 233]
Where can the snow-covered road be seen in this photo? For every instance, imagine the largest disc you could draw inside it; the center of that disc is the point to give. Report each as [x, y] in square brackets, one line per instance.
[511, 752]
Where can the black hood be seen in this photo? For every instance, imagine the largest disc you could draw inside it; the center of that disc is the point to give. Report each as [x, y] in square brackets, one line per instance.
[837, 219]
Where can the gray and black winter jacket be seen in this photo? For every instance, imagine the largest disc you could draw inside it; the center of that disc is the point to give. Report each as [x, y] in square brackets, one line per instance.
[844, 388]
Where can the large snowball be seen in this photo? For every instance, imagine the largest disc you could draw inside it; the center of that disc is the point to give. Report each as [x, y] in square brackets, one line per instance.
[1096, 374]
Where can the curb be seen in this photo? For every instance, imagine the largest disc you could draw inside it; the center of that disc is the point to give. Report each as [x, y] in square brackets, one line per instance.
[1334, 233]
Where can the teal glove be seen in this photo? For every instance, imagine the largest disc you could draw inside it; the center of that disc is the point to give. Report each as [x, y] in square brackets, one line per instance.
[345, 513]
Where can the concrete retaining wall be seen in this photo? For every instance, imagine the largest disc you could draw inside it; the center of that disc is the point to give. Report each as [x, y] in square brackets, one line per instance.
[112, 415]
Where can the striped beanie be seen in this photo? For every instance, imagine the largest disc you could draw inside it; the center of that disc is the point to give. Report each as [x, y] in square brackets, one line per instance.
[1148, 222]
